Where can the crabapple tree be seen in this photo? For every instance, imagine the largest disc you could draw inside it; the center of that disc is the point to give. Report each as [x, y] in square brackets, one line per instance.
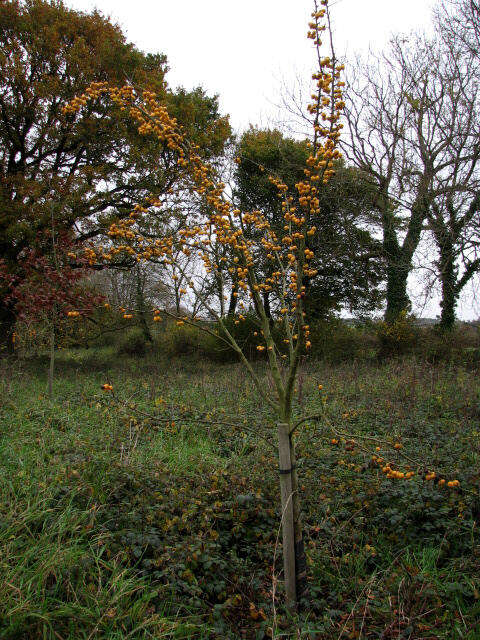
[245, 235]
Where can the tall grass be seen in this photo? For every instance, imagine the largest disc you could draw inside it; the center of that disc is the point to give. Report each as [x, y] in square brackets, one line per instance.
[95, 494]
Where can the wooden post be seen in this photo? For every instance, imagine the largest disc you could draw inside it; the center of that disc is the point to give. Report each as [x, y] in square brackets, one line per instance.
[288, 531]
[300, 559]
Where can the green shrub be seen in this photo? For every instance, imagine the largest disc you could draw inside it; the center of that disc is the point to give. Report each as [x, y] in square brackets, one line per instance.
[398, 337]
[462, 345]
[336, 341]
[333, 339]
[132, 343]
[178, 340]
[104, 338]
[185, 340]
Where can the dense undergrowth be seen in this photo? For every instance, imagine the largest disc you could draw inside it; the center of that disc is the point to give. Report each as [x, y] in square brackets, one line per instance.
[144, 516]
[333, 339]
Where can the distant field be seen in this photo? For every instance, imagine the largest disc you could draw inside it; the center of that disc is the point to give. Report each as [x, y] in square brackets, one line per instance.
[144, 516]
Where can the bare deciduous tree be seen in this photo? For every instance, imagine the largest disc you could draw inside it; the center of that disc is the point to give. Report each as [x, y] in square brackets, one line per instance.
[459, 23]
[413, 130]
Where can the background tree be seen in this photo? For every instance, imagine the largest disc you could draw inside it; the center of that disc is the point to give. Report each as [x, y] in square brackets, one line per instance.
[413, 130]
[50, 289]
[459, 23]
[347, 258]
[454, 214]
[91, 166]
[388, 125]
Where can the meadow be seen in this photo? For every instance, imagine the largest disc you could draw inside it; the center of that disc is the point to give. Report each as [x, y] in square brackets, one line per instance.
[153, 512]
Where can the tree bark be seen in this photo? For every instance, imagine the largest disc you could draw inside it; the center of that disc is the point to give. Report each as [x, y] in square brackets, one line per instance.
[397, 270]
[448, 277]
[266, 305]
[397, 297]
[141, 308]
[220, 289]
[399, 256]
[232, 305]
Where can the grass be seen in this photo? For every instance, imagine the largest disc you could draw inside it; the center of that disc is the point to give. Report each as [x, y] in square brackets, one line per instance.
[144, 516]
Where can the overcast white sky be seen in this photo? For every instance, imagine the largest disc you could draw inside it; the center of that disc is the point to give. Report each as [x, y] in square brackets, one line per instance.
[244, 50]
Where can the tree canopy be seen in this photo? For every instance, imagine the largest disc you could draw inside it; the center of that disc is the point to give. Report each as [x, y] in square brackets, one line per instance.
[347, 258]
[88, 167]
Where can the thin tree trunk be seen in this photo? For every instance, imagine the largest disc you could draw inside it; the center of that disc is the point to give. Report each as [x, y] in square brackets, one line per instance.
[7, 325]
[141, 309]
[266, 305]
[177, 300]
[219, 281]
[232, 306]
[288, 529]
[51, 368]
